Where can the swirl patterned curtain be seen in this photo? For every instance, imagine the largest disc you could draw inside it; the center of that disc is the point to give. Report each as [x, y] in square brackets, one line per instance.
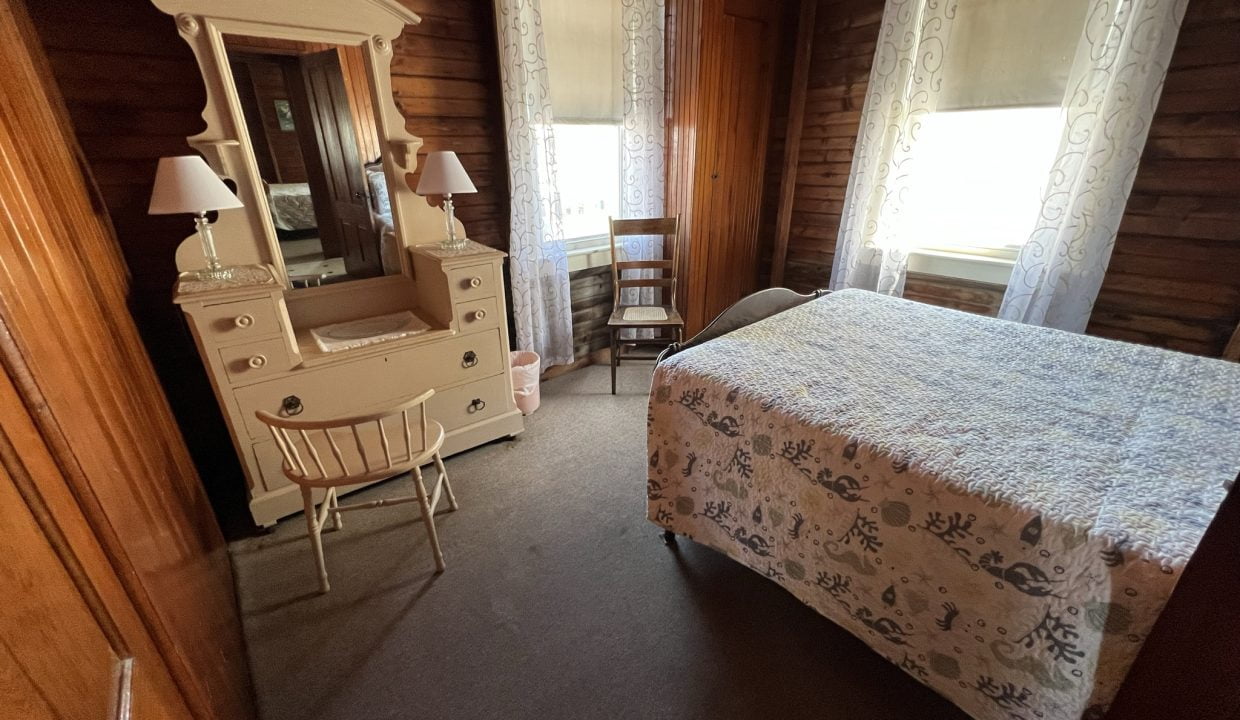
[904, 86]
[641, 153]
[1113, 90]
[538, 262]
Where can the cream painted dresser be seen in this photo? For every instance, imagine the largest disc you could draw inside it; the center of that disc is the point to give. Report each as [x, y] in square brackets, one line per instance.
[254, 338]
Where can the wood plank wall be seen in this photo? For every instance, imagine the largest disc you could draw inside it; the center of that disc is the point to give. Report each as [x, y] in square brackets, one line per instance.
[1174, 280]
[134, 93]
[445, 74]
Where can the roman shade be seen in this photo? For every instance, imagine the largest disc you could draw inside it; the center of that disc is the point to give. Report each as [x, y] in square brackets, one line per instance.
[1010, 53]
[585, 42]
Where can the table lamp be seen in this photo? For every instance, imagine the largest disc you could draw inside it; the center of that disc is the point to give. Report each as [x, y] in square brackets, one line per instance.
[444, 175]
[186, 184]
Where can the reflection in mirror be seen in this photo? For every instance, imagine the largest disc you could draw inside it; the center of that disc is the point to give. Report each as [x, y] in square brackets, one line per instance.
[311, 122]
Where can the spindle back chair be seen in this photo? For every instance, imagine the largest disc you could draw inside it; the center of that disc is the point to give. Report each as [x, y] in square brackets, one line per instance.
[327, 454]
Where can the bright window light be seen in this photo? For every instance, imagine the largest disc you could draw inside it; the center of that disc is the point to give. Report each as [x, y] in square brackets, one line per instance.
[588, 177]
[977, 178]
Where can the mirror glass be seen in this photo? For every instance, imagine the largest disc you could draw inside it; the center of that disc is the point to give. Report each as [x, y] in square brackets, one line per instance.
[311, 121]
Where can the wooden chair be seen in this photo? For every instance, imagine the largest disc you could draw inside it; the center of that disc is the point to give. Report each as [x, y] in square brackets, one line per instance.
[655, 316]
[351, 450]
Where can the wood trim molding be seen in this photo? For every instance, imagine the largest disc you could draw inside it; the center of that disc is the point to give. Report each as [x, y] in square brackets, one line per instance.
[792, 140]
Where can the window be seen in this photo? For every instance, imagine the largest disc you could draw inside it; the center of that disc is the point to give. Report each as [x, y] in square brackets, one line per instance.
[588, 179]
[983, 158]
[977, 179]
[585, 47]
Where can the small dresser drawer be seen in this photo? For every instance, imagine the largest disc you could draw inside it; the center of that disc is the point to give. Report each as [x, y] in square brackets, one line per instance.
[252, 361]
[477, 314]
[467, 404]
[472, 282]
[239, 321]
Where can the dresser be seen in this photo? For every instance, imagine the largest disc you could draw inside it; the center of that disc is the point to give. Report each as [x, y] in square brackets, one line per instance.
[254, 338]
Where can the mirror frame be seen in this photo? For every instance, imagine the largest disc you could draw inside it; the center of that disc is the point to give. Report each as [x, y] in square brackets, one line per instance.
[246, 236]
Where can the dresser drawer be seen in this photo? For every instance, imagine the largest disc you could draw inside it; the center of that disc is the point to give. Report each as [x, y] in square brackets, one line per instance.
[239, 321]
[477, 315]
[270, 467]
[252, 361]
[372, 383]
[472, 282]
[467, 404]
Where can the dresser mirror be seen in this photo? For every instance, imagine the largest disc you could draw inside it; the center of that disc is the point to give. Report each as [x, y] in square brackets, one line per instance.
[301, 118]
[310, 121]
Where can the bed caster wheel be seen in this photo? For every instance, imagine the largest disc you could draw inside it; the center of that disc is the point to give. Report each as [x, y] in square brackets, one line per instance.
[669, 537]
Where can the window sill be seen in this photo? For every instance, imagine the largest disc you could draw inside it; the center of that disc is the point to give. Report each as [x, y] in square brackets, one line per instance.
[583, 256]
[977, 268]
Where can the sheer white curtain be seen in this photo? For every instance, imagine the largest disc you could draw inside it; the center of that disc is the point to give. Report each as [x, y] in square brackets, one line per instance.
[905, 80]
[641, 147]
[538, 262]
[1113, 90]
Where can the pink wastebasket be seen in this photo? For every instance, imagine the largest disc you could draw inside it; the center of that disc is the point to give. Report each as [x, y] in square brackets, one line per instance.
[525, 367]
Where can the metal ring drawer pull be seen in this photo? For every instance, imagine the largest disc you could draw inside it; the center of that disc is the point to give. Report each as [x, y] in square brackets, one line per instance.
[477, 405]
[475, 282]
[291, 405]
[469, 359]
[258, 361]
[480, 314]
[244, 321]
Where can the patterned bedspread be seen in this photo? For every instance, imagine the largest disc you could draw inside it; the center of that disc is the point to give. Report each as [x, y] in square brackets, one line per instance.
[291, 206]
[1001, 510]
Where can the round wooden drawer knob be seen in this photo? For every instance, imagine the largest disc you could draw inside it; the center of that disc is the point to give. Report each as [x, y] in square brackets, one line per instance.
[258, 361]
[243, 321]
[475, 282]
[480, 314]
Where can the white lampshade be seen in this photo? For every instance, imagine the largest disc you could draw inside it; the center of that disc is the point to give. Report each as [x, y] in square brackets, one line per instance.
[186, 184]
[444, 175]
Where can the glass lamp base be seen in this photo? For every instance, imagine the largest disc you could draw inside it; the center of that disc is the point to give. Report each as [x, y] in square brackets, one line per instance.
[458, 243]
[219, 273]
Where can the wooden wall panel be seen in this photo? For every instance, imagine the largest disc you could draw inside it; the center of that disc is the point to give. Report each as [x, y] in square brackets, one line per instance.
[134, 93]
[72, 351]
[445, 75]
[1174, 279]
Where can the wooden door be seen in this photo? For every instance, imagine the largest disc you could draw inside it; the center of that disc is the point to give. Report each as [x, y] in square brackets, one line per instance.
[121, 526]
[331, 154]
[733, 97]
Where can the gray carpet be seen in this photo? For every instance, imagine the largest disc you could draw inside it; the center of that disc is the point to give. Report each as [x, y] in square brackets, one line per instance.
[559, 600]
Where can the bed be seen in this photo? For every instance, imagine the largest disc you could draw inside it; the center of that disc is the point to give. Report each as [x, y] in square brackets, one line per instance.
[291, 206]
[1001, 510]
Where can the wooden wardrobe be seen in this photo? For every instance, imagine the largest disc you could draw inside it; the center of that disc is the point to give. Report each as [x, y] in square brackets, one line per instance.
[118, 597]
[721, 59]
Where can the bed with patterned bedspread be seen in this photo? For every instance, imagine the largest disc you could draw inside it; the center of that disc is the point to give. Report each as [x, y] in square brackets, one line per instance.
[999, 509]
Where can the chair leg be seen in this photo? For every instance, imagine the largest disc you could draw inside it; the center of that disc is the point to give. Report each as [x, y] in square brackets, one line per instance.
[427, 518]
[447, 486]
[316, 540]
[337, 522]
[615, 359]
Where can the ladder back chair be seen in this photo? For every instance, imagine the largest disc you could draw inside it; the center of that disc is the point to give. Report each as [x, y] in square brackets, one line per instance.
[327, 454]
[658, 315]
